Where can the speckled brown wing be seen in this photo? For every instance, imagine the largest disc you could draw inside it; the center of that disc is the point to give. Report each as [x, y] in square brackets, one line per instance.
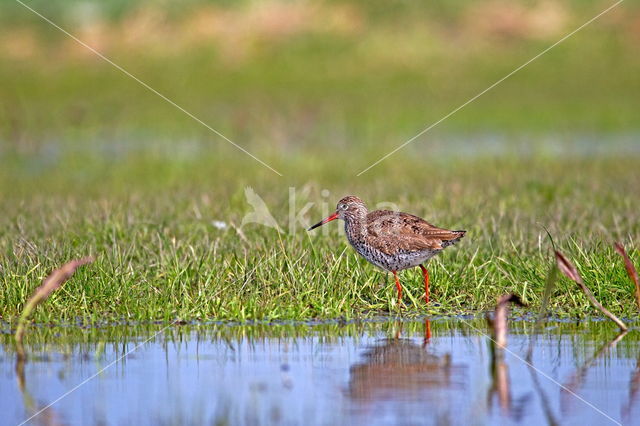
[391, 232]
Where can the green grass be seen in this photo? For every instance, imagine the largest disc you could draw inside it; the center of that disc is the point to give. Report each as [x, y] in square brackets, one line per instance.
[92, 163]
[160, 257]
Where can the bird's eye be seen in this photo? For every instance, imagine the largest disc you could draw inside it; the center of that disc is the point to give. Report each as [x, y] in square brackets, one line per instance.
[343, 206]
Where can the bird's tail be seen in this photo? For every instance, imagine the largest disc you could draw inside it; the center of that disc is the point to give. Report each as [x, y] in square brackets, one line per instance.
[457, 235]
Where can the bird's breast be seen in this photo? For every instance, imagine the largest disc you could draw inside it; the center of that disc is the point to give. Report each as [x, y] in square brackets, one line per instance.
[395, 261]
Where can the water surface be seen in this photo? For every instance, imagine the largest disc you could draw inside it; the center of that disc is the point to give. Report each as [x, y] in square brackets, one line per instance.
[378, 372]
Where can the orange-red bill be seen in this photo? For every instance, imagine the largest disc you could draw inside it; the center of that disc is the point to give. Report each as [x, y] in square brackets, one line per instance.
[323, 221]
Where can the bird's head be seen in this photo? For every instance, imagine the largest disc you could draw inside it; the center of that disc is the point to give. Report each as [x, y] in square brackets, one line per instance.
[348, 208]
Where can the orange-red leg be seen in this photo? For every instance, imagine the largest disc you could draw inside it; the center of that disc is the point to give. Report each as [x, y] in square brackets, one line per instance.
[398, 286]
[425, 274]
[427, 331]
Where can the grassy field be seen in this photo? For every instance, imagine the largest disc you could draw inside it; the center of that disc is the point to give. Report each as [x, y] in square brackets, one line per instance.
[160, 257]
[93, 163]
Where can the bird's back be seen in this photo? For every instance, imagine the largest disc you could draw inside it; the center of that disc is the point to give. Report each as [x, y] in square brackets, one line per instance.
[392, 232]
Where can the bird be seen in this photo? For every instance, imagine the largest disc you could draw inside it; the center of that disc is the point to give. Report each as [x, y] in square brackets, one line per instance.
[393, 241]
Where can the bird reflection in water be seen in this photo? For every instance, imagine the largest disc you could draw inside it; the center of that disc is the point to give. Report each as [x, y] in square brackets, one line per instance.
[402, 370]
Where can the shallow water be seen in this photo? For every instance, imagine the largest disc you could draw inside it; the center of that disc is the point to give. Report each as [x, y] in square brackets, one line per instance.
[377, 372]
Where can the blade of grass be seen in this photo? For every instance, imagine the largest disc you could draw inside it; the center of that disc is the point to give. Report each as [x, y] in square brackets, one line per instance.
[549, 285]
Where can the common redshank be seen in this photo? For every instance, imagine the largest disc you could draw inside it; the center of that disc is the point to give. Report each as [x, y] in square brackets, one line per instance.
[391, 240]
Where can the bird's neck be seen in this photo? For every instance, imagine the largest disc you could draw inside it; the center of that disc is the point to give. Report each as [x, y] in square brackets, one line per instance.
[355, 229]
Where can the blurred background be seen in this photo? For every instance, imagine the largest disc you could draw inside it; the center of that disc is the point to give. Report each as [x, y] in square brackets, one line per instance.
[295, 82]
[93, 162]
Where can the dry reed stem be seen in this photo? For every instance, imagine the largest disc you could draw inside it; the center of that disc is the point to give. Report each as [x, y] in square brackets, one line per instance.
[567, 268]
[631, 270]
[499, 321]
[499, 370]
[48, 286]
